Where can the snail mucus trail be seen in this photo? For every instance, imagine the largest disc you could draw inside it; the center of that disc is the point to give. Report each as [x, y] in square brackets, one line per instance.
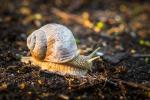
[53, 48]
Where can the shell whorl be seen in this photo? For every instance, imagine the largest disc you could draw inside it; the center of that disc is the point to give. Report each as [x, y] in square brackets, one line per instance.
[37, 43]
[54, 43]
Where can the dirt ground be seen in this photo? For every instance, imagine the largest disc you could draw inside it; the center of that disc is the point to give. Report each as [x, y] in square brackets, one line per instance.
[121, 29]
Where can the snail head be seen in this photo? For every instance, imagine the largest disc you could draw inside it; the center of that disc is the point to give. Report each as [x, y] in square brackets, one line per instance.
[91, 58]
[85, 62]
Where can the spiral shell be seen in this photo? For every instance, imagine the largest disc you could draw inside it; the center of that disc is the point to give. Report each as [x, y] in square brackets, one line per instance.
[53, 43]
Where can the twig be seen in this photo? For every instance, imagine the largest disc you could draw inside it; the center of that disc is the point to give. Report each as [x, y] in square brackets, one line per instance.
[67, 17]
[132, 84]
[123, 90]
[141, 55]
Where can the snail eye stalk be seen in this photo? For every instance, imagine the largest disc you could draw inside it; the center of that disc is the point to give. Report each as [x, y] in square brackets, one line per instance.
[94, 58]
[93, 53]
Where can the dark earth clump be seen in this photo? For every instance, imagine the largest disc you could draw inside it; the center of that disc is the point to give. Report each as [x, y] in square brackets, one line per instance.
[121, 29]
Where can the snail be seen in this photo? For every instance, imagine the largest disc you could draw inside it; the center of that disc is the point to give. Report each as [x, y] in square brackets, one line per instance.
[53, 48]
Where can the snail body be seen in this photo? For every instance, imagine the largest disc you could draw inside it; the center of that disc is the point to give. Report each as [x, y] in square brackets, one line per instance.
[54, 48]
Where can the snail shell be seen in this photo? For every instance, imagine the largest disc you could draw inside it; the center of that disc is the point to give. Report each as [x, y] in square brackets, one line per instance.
[54, 43]
[54, 48]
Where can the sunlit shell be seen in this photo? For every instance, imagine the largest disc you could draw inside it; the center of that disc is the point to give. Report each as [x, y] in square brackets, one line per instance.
[54, 43]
